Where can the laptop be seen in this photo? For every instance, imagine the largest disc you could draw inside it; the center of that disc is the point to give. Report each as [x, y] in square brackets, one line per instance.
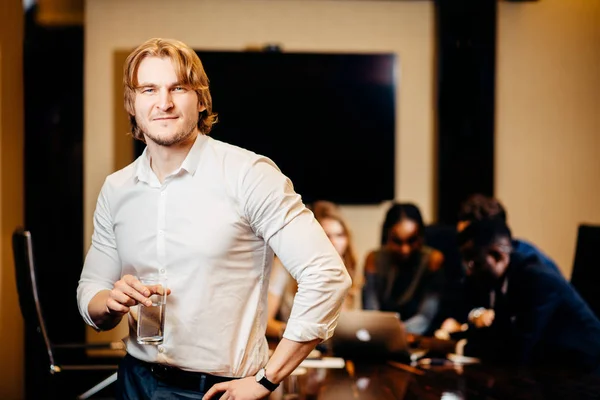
[369, 334]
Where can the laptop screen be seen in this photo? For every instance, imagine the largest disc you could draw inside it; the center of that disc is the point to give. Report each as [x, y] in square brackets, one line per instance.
[369, 333]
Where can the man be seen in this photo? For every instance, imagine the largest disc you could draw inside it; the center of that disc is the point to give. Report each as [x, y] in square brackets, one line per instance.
[209, 217]
[529, 314]
[479, 206]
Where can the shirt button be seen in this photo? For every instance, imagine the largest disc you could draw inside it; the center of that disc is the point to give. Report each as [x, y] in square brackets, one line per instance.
[163, 193]
[162, 271]
[160, 233]
[161, 349]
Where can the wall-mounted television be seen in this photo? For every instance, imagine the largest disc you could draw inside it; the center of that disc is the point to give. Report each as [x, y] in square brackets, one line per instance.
[326, 119]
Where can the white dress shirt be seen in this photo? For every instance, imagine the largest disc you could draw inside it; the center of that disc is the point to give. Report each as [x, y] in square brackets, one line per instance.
[211, 228]
[282, 285]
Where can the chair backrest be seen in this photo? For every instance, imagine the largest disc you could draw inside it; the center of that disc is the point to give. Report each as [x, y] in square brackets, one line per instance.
[28, 290]
[586, 269]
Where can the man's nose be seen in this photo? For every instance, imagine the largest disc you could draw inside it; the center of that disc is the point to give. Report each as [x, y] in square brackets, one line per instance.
[165, 100]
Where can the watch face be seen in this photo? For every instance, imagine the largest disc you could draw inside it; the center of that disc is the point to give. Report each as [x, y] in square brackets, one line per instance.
[260, 374]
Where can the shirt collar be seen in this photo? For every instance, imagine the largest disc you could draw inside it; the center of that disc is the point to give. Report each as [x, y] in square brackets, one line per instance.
[190, 164]
[143, 170]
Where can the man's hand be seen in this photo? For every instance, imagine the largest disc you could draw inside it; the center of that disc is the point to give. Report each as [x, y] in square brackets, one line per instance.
[481, 317]
[239, 389]
[108, 307]
[449, 326]
[129, 291]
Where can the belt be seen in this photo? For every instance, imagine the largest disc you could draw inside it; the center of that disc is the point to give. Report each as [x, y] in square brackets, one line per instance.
[184, 379]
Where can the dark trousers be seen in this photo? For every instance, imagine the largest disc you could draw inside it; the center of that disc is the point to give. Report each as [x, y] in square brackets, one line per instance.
[138, 380]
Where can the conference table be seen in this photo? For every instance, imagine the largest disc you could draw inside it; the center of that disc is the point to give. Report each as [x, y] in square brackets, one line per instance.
[382, 380]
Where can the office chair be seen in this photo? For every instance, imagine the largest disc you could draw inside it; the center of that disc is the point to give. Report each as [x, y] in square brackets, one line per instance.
[586, 271]
[56, 374]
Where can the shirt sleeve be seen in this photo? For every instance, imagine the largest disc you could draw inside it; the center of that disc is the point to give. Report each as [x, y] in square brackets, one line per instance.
[421, 321]
[279, 278]
[102, 266]
[429, 305]
[539, 305]
[278, 215]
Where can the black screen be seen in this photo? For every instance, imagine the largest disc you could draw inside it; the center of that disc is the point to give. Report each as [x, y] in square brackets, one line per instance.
[326, 120]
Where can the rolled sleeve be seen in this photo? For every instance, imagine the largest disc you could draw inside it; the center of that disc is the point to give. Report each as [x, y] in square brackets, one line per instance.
[278, 215]
[323, 281]
[102, 266]
[301, 331]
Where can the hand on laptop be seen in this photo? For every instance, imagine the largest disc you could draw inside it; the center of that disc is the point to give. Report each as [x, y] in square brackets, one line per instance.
[452, 326]
[448, 327]
[482, 317]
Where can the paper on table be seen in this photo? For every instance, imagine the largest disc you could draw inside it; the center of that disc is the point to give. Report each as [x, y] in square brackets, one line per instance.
[325, 362]
[460, 359]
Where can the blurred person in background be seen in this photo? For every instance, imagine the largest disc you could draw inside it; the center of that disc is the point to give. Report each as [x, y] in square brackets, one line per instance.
[404, 275]
[283, 287]
[530, 314]
[478, 207]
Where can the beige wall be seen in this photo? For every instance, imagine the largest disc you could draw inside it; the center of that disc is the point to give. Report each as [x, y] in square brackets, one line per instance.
[547, 100]
[405, 28]
[548, 121]
[11, 194]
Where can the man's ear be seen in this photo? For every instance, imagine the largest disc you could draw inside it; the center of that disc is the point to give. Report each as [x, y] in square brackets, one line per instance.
[201, 107]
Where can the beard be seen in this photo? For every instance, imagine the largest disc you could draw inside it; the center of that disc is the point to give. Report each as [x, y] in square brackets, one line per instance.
[178, 137]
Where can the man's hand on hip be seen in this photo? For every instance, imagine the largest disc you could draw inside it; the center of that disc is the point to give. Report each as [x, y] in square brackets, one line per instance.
[239, 389]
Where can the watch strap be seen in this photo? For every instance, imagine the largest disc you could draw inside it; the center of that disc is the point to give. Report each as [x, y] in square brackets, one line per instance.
[266, 382]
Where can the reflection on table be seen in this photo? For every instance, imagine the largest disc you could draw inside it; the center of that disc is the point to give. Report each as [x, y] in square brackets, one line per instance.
[439, 380]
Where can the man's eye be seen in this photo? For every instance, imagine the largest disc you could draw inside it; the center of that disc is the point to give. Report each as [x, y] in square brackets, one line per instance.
[178, 89]
[148, 90]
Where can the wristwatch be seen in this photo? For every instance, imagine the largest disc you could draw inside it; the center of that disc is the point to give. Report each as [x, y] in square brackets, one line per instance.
[261, 377]
[475, 313]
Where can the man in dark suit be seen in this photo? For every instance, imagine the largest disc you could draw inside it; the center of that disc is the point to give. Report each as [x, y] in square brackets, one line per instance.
[475, 208]
[523, 312]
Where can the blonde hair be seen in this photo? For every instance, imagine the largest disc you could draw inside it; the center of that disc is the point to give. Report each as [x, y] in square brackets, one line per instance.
[323, 207]
[327, 210]
[188, 68]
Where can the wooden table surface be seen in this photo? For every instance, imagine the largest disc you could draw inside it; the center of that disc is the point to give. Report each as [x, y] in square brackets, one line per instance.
[388, 380]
